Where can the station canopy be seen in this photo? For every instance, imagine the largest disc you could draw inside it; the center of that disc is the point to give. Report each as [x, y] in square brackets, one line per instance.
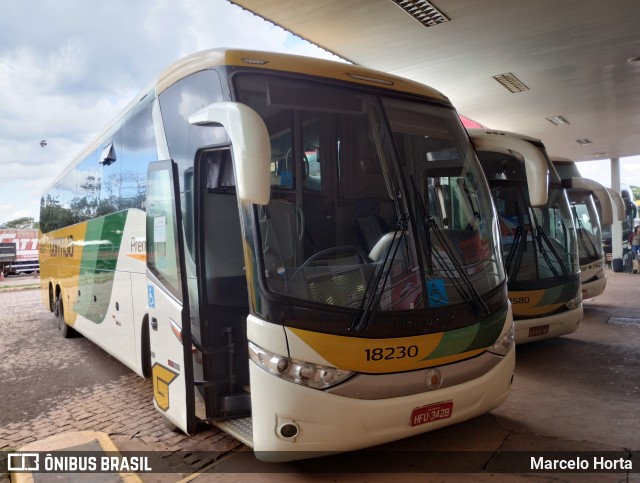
[566, 72]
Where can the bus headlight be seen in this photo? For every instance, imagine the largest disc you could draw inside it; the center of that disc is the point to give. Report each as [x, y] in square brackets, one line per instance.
[300, 372]
[575, 302]
[503, 344]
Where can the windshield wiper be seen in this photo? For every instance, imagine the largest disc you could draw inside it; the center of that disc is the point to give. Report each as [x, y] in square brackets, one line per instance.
[462, 283]
[465, 287]
[381, 135]
[514, 259]
[377, 288]
[542, 239]
[584, 236]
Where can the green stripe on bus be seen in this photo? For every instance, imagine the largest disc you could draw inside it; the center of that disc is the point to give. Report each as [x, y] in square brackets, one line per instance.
[560, 293]
[477, 336]
[97, 268]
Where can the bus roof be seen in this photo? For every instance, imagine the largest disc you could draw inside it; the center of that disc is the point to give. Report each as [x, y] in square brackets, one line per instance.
[291, 63]
[207, 59]
[487, 132]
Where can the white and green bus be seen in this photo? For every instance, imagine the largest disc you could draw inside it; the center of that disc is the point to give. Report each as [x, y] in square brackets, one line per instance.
[583, 193]
[255, 232]
[538, 234]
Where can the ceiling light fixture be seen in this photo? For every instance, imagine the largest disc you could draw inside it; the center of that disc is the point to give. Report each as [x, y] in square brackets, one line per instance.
[583, 142]
[510, 82]
[424, 12]
[558, 120]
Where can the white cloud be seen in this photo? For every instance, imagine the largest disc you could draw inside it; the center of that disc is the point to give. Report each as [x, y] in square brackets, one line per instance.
[68, 66]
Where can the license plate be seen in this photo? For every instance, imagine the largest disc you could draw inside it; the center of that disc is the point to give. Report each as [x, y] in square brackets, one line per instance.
[432, 412]
[540, 330]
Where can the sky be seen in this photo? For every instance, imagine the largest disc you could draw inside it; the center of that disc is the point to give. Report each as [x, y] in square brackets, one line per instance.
[600, 170]
[67, 67]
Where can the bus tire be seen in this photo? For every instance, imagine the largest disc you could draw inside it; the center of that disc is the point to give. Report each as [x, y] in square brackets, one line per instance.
[65, 330]
[52, 300]
[56, 305]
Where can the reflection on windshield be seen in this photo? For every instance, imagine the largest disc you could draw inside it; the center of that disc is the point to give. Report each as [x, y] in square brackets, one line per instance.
[587, 227]
[537, 243]
[344, 227]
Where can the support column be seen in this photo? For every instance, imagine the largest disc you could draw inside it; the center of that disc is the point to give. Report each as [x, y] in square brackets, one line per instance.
[616, 228]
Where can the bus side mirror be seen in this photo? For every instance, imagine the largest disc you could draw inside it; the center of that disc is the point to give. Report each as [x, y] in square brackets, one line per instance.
[535, 162]
[617, 202]
[600, 192]
[250, 145]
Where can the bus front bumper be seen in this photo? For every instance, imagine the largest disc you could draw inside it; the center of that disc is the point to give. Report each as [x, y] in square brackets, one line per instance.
[326, 423]
[541, 328]
[593, 288]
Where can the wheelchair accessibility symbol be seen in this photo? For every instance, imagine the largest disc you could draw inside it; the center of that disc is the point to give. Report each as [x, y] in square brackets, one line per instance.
[437, 293]
[151, 297]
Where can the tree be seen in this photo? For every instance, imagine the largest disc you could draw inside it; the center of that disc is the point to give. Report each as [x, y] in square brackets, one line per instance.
[20, 223]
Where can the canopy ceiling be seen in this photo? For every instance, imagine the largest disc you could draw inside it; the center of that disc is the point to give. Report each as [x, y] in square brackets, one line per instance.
[573, 57]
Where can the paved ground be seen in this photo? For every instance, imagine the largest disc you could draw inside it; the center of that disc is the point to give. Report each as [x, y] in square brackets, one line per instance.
[50, 385]
[579, 392]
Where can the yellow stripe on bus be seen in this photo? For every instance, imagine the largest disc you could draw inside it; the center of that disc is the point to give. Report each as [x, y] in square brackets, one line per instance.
[60, 262]
[378, 356]
[527, 303]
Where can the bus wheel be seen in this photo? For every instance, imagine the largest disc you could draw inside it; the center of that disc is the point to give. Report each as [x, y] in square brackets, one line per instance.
[66, 331]
[52, 301]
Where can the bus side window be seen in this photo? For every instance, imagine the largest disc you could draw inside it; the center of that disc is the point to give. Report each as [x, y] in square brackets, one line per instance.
[162, 244]
[220, 175]
[223, 247]
[110, 175]
[177, 103]
[138, 149]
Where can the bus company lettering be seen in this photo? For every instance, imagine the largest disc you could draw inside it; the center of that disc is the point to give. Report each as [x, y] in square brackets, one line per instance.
[440, 322]
[138, 246]
[61, 247]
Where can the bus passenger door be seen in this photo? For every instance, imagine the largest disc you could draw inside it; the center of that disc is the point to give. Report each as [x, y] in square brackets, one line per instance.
[168, 303]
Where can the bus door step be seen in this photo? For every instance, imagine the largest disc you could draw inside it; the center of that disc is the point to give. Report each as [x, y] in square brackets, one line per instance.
[237, 404]
[240, 428]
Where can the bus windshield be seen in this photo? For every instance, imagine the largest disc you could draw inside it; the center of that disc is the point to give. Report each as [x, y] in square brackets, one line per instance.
[377, 203]
[538, 243]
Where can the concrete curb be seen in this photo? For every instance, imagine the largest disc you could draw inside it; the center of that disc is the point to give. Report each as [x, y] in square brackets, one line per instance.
[12, 288]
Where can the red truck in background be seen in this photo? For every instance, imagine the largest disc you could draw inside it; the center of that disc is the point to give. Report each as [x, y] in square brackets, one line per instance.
[25, 259]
